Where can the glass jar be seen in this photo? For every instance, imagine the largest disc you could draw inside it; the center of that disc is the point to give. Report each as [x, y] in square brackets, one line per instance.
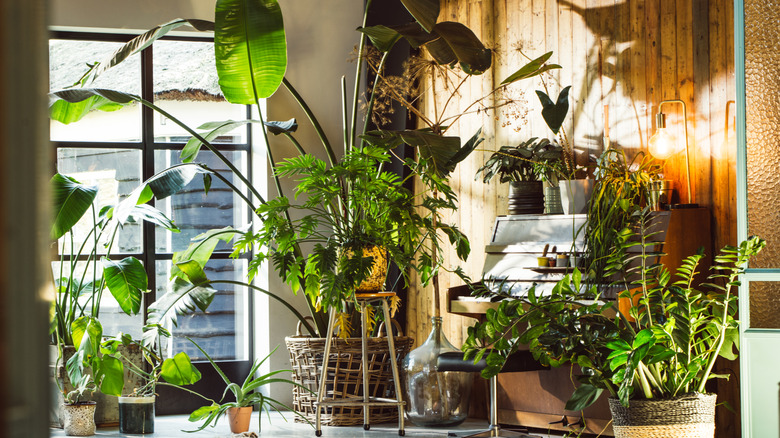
[434, 398]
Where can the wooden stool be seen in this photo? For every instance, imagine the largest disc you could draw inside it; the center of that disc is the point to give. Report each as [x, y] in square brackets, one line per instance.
[363, 299]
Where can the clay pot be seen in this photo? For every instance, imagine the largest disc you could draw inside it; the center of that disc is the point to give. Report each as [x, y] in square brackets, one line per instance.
[239, 419]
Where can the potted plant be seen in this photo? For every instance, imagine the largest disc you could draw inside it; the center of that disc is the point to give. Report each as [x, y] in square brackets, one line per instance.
[518, 166]
[78, 413]
[136, 404]
[247, 396]
[86, 234]
[249, 75]
[620, 191]
[661, 347]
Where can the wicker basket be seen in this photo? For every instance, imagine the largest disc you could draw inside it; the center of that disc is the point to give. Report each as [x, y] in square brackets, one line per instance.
[688, 416]
[345, 378]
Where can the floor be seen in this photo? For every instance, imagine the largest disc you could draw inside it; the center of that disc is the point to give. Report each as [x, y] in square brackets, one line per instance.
[174, 426]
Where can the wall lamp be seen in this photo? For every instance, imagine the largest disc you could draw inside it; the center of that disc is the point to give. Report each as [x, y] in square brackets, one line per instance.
[662, 144]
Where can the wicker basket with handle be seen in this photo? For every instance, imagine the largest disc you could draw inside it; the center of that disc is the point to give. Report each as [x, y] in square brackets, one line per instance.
[345, 378]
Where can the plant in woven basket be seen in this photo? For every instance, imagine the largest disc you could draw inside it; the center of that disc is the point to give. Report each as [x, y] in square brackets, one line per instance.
[666, 343]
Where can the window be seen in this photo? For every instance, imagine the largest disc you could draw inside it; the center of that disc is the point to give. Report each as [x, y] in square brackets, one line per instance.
[119, 149]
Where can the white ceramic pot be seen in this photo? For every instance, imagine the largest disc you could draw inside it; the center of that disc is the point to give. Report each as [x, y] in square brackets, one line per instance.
[575, 194]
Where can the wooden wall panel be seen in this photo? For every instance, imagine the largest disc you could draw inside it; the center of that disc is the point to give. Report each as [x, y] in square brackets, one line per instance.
[628, 54]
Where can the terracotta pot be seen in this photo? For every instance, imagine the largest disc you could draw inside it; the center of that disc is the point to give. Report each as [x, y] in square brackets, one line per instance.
[79, 419]
[239, 419]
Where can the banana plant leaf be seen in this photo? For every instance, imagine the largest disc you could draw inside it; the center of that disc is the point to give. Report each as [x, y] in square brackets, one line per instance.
[192, 148]
[160, 186]
[71, 200]
[250, 49]
[201, 248]
[126, 280]
[143, 41]
[69, 112]
[182, 298]
[426, 12]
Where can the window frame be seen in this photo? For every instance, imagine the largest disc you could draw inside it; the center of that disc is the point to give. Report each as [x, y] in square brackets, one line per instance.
[176, 402]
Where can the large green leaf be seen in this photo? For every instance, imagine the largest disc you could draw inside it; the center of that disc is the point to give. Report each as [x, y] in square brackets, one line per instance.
[146, 212]
[437, 150]
[182, 298]
[201, 248]
[179, 370]
[250, 49]
[382, 37]
[80, 101]
[71, 200]
[426, 12]
[160, 186]
[67, 112]
[126, 280]
[110, 375]
[473, 56]
[143, 41]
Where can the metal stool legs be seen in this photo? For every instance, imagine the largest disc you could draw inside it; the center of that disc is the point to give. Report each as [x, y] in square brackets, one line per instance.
[494, 430]
[367, 401]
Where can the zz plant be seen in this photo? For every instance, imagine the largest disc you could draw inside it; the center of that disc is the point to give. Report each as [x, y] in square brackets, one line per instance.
[663, 346]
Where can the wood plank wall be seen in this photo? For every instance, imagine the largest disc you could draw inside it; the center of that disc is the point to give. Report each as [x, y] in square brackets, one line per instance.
[627, 54]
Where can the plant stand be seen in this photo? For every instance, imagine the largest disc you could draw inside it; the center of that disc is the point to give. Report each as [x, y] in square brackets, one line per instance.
[367, 400]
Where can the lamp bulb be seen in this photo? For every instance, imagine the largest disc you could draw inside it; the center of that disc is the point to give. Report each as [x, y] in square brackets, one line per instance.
[662, 144]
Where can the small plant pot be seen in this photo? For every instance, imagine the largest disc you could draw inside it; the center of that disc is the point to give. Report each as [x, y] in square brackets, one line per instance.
[562, 261]
[239, 419]
[136, 415]
[79, 419]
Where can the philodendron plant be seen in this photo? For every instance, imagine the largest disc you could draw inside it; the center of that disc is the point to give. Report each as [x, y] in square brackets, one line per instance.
[251, 59]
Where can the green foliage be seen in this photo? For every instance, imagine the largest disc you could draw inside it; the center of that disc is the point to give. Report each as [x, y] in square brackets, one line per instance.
[620, 189]
[666, 345]
[247, 394]
[531, 160]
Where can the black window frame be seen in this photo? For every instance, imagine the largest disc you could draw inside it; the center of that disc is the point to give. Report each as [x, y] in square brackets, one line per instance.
[211, 385]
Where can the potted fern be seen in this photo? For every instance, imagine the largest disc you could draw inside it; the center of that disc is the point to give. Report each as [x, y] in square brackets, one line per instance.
[660, 350]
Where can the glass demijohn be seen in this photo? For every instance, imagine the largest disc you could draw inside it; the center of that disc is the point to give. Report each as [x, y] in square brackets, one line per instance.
[434, 398]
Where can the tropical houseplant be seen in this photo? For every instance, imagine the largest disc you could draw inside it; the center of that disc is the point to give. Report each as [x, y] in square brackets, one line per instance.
[251, 58]
[663, 345]
[87, 235]
[524, 166]
[247, 395]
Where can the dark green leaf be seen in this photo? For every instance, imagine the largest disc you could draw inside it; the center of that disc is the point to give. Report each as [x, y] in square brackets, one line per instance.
[584, 396]
[179, 370]
[71, 200]
[533, 68]
[426, 12]
[554, 113]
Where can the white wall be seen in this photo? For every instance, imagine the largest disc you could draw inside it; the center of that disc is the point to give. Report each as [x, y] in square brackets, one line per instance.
[320, 37]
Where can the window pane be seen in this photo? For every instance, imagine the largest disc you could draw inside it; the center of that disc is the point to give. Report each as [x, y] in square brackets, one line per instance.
[195, 212]
[116, 172]
[186, 86]
[67, 64]
[764, 304]
[223, 330]
[111, 316]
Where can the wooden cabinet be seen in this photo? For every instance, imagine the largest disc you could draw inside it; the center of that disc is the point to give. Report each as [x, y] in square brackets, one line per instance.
[537, 398]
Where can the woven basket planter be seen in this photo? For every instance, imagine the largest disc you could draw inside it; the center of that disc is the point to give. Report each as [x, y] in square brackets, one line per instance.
[345, 377]
[687, 416]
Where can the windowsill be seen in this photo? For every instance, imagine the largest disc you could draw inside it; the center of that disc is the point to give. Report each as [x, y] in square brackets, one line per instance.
[170, 426]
